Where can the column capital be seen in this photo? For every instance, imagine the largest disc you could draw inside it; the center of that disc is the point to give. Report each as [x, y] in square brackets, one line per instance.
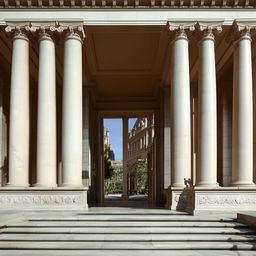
[180, 27]
[74, 30]
[18, 30]
[242, 29]
[208, 29]
[44, 29]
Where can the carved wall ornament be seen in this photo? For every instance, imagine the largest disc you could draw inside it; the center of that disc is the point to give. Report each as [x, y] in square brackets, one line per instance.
[40, 200]
[216, 200]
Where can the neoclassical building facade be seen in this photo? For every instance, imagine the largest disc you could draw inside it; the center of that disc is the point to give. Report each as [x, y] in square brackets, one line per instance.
[67, 65]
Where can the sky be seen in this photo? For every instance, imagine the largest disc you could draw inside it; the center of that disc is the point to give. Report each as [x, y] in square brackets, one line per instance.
[116, 134]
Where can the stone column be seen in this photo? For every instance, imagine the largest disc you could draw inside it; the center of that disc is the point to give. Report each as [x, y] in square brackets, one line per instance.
[167, 138]
[180, 106]
[46, 120]
[86, 175]
[72, 109]
[207, 164]
[242, 127]
[125, 194]
[19, 110]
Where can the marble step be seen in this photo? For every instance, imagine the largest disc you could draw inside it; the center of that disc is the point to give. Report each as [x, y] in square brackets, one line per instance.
[99, 218]
[153, 245]
[126, 237]
[125, 253]
[128, 230]
[89, 223]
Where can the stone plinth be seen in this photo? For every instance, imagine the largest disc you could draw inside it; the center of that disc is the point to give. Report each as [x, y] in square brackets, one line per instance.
[177, 199]
[226, 200]
[43, 198]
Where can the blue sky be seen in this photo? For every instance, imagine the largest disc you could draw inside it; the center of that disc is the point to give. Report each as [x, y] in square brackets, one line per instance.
[116, 134]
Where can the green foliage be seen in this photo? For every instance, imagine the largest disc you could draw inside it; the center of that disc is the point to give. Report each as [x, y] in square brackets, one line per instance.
[109, 171]
[114, 185]
[139, 174]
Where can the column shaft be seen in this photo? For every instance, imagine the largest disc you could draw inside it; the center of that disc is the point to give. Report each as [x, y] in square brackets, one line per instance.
[207, 175]
[125, 194]
[242, 129]
[46, 125]
[72, 112]
[19, 113]
[180, 106]
[167, 139]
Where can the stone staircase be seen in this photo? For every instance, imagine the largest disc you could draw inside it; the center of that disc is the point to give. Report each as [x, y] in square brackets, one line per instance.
[130, 232]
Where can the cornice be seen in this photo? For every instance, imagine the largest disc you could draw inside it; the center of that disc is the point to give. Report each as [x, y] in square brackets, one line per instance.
[126, 4]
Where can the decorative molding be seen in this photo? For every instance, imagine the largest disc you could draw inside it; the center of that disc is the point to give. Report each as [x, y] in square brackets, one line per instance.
[126, 4]
[43, 199]
[40, 200]
[226, 199]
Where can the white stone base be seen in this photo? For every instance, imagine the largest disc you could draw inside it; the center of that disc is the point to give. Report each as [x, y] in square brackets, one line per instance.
[35, 198]
[221, 199]
[177, 198]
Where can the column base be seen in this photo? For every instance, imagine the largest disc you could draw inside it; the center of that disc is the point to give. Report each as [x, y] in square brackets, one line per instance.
[204, 184]
[17, 185]
[68, 185]
[45, 185]
[224, 200]
[39, 198]
[243, 184]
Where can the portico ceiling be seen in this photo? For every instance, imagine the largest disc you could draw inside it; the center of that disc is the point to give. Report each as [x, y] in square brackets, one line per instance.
[125, 62]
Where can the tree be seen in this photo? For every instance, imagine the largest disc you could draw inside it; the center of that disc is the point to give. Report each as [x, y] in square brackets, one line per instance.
[139, 173]
[109, 171]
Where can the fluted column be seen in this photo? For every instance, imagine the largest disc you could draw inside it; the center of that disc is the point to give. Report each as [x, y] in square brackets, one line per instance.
[180, 106]
[242, 127]
[46, 124]
[19, 109]
[207, 164]
[72, 109]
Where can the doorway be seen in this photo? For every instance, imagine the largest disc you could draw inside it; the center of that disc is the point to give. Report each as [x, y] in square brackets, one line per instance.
[127, 149]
